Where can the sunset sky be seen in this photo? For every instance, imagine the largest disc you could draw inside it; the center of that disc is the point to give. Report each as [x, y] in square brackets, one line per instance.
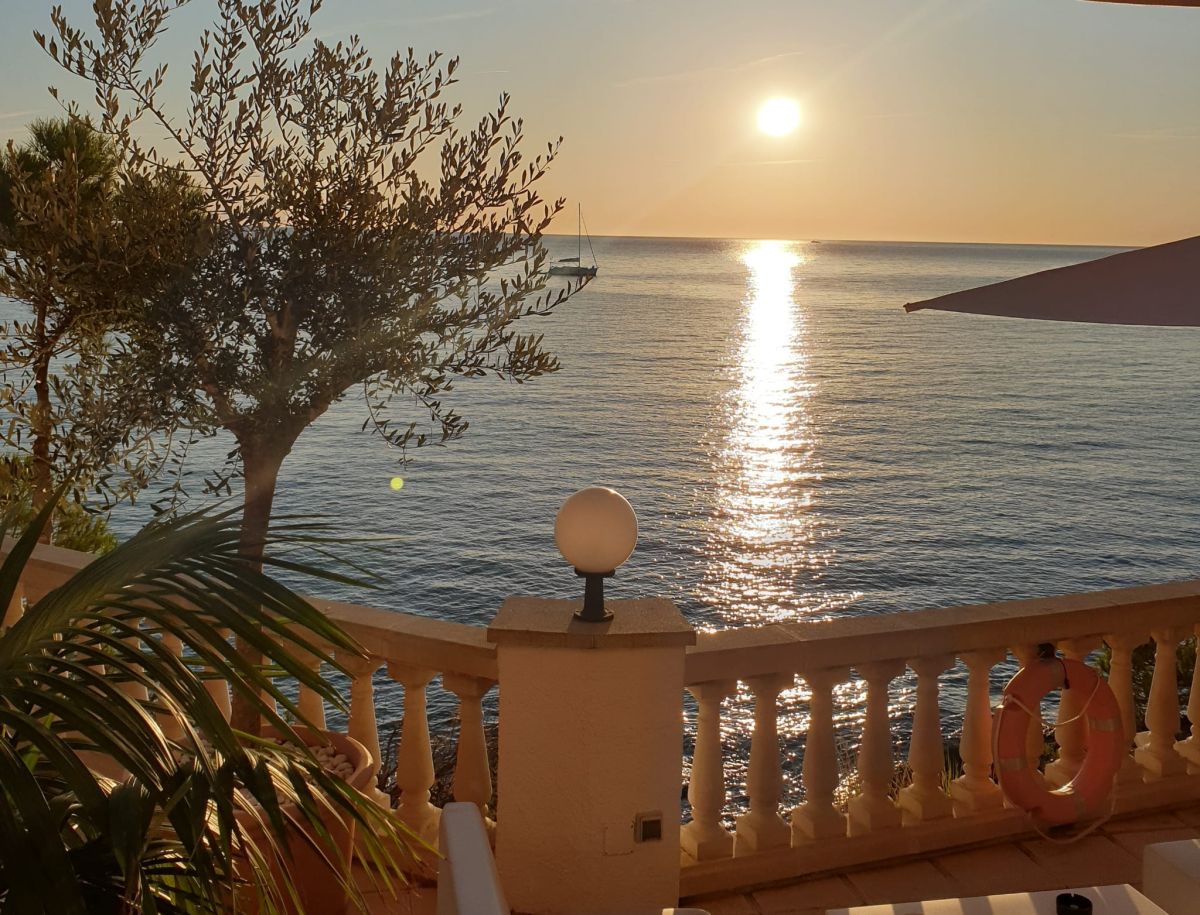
[943, 120]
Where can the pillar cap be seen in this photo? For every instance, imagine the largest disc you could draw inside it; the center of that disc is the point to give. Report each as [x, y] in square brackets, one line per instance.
[650, 622]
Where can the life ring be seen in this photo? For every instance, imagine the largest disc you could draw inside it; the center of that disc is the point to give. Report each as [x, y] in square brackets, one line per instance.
[1087, 793]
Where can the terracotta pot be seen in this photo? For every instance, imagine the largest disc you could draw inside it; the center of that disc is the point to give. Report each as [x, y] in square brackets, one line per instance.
[317, 884]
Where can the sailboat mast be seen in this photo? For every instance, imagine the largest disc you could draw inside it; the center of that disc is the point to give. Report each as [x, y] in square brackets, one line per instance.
[578, 232]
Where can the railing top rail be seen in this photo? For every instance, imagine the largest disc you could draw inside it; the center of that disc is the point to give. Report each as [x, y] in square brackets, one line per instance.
[388, 635]
[50, 557]
[745, 652]
[416, 641]
[859, 640]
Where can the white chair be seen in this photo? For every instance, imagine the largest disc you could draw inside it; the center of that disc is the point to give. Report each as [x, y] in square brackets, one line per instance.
[1171, 876]
[467, 881]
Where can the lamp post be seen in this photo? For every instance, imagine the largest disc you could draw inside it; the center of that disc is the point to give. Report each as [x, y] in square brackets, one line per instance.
[596, 531]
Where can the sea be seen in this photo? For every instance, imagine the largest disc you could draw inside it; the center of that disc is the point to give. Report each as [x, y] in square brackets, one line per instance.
[796, 447]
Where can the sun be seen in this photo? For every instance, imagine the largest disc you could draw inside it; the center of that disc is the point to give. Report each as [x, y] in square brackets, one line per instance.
[778, 116]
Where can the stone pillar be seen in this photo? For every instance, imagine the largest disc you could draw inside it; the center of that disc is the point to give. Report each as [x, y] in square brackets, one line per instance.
[361, 724]
[926, 797]
[1035, 741]
[704, 837]
[1189, 749]
[310, 704]
[472, 775]
[1072, 737]
[974, 790]
[591, 734]
[414, 757]
[818, 817]
[1120, 681]
[1158, 758]
[872, 809]
[761, 827]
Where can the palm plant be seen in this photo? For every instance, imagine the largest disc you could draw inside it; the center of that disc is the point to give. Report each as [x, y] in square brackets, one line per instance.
[113, 665]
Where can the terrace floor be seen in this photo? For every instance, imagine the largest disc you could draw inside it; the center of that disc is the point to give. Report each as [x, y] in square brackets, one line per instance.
[1112, 854]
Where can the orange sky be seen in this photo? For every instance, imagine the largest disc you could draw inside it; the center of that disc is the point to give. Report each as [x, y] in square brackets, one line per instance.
[947, 120]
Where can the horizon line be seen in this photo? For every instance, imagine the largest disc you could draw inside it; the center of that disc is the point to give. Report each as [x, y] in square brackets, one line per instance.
[866, 241]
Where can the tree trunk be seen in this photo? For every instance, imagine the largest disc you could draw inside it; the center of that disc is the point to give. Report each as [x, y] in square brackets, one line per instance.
[261, 462]
[40, 423]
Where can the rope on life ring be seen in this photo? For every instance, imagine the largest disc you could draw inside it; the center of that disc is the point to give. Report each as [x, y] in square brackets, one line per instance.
[1091, 792]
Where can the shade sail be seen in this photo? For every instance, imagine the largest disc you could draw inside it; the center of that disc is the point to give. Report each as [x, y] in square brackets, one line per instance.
[1158, 286]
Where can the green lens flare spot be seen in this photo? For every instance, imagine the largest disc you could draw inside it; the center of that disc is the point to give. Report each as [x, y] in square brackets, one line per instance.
[397, 484]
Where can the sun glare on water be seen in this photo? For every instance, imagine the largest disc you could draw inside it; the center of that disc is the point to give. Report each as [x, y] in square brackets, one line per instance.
[778, 116]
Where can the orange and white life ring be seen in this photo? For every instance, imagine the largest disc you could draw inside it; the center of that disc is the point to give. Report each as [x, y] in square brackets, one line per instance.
[1087, 794]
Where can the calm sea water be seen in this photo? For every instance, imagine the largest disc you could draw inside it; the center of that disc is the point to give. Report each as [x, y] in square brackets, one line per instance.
[795, 445]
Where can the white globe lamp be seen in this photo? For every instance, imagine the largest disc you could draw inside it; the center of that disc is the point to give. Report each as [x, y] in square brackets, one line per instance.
[596, 531]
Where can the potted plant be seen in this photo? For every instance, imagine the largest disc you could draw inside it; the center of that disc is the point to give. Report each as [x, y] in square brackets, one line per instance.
[205, 814]
[319, 853]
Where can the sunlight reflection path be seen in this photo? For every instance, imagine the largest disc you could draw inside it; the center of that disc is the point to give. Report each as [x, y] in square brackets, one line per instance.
[763, 552]
[764, 555]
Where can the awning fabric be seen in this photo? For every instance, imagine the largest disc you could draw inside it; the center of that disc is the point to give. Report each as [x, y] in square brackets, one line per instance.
[1156, 286]
[1156, 2]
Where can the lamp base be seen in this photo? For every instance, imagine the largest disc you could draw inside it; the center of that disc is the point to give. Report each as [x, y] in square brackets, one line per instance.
[593, 610]
[603, 617]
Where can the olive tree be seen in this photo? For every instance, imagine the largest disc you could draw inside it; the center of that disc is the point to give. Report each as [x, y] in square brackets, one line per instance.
[365, 238]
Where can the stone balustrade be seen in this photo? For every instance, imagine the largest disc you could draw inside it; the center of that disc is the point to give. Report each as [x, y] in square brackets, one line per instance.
[930, 813]
[414, 651]
[844, 819]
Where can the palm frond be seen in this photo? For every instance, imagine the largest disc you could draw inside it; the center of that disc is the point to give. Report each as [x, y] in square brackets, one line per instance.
[90, 673]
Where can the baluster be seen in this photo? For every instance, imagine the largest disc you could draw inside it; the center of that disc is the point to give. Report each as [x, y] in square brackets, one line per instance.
[309, 702]
[1071, 737]
[974, 790]
[704, 837]
[361, 724]
[926, 798]
[219, 689]
[414, 759]
[132, 688]
[1035, 741]
[762, 827]
[1190, 749]
[873, 809]
[1158, 758]
[817, 817]
[1120, 681]
[472, 774]
[169, 723]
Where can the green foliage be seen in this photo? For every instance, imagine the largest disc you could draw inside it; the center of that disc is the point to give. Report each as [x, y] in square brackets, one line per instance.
[87, 677]
[83, 242]
[67, 151]
[364, 238]
[71, 525]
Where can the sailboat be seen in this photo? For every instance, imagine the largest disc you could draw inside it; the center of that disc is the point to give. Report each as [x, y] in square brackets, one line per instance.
[572, 266]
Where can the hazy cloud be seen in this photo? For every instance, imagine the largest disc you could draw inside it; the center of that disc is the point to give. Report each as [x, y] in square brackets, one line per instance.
[705, 71]
[449, 17]
[362, 27]
[1160, 133]
[745, 162]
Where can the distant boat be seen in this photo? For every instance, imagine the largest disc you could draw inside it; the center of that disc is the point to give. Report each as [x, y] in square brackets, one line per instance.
[571, 266]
